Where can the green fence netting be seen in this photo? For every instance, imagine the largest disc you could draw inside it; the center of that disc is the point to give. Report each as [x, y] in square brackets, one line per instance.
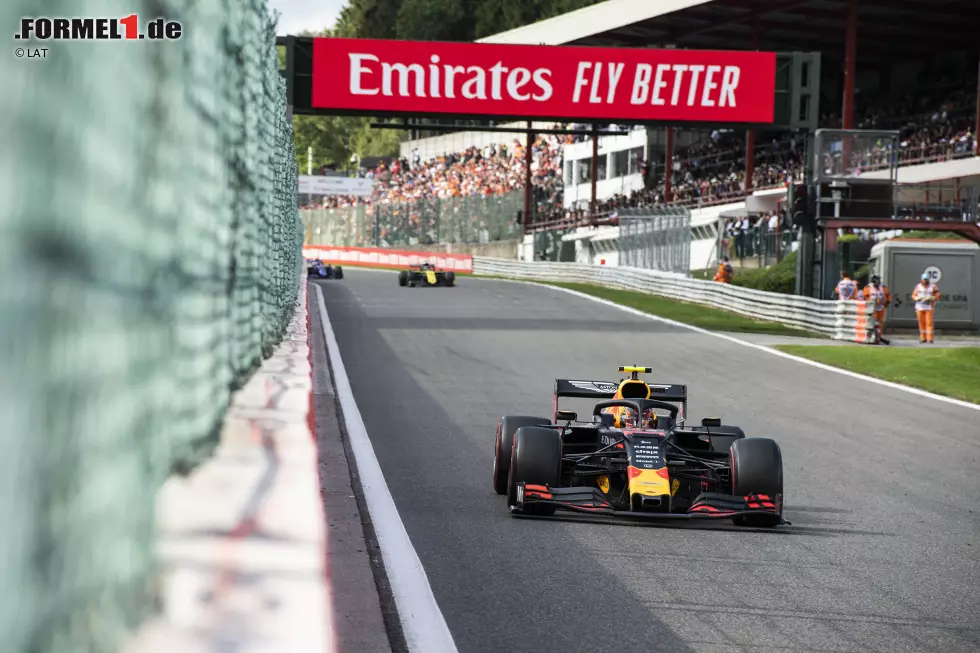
[423, 222]
[149, 258]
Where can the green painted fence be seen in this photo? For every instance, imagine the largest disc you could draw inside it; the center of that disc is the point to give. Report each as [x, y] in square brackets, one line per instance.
[423, 222]
[149, 259]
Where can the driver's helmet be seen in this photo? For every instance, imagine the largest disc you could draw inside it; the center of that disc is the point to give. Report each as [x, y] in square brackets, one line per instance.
[649, 419]
[629, 419]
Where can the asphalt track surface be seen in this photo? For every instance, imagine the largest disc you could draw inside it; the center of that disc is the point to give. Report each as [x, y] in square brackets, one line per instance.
[881, 485]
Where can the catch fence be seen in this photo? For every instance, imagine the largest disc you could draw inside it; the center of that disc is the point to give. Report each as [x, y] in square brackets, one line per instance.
[151, 257]
[655, 238]
[469, 220]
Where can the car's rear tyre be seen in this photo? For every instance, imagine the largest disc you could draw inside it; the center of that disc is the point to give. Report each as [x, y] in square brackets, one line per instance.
[338, 272]
[535, 459]
[757, 468]
[403, 278]
[506, 428]
[450, 278]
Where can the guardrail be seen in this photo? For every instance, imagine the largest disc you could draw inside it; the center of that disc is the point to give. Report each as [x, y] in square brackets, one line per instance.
[841, 320]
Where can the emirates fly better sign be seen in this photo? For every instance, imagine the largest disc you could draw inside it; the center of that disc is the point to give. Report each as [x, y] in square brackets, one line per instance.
[411, 77]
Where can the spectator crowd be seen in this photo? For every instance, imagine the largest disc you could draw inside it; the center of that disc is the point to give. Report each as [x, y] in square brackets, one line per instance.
[423, 197]
[934, 125]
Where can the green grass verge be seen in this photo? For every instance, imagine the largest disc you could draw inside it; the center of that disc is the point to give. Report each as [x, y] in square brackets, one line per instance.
[954, 371]
[698, 315]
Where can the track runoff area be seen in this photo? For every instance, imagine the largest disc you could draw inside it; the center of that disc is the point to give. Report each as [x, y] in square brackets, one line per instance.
[879, 481]
[879, 485]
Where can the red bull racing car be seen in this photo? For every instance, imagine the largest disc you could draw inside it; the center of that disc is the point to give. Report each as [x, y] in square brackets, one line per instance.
[636, 457]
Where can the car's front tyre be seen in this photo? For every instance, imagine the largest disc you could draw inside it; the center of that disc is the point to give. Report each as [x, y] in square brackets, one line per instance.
[506, 428]
[535, 459]
[757, 468]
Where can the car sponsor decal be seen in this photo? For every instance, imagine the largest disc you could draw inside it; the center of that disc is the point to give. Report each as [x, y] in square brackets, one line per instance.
[647, 453]
[595, 386]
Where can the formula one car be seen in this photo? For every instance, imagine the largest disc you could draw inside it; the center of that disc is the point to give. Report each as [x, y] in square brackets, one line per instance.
[317, 269]
[426, 275]
[636, 458]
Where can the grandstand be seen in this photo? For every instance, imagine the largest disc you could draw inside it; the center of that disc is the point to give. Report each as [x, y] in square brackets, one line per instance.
[904, 65]
[882, 81]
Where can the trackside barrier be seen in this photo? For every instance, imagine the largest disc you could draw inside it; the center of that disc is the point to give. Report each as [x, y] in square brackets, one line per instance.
[387, 258]
[246, 529]
[841, 320]
[149, 262]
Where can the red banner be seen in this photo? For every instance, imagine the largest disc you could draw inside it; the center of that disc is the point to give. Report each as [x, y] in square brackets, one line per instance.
[532, 81]
[387, 258]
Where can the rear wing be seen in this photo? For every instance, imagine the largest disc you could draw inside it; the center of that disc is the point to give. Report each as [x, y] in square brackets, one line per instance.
[607, 389]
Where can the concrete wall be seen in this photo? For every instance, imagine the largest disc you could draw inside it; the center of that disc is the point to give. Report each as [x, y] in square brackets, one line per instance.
[499, 249]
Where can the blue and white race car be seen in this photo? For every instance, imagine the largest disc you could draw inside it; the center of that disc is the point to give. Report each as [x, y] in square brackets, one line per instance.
[317, 269]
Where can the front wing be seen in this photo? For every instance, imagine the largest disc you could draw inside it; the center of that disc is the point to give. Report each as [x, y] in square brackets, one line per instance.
[586, 499]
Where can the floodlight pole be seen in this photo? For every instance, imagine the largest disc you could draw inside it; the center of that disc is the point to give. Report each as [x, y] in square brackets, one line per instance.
[850, 64]
[527, 178]
[749, 160]
[976, 128]
[749, 133]
[594, 203]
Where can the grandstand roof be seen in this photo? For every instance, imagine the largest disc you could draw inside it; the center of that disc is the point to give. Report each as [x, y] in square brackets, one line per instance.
[888, 30]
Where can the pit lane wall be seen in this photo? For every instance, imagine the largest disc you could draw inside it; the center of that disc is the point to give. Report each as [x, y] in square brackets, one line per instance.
[840, 320]
[387, 258]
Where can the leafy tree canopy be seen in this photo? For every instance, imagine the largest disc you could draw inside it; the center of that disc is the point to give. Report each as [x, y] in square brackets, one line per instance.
[335, 139]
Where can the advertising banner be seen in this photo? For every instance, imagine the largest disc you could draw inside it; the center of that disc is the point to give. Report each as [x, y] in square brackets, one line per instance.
[323, 185]
[951, 271]
[532, 81]
[387, 258]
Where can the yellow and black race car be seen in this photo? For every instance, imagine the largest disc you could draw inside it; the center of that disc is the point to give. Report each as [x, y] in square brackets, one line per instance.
[426, 274]
[636, 458]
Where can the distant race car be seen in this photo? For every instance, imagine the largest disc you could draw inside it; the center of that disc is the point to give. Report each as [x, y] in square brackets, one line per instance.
[636, 458]
[317, 269]
[426, 275]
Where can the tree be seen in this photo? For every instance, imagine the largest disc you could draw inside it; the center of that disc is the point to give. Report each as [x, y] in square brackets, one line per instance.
[493, 16]
[328, 136]
[335, 138]
[434, 20]
[418, 20]
[549, 8]
[446, 20]
[377, 18]
[349, 22]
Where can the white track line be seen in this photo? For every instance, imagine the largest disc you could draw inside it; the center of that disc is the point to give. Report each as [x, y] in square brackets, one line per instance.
[770, 350]
[422, 621]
